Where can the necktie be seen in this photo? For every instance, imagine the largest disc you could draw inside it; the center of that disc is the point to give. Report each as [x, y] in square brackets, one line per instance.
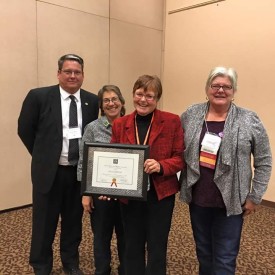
[73, 143]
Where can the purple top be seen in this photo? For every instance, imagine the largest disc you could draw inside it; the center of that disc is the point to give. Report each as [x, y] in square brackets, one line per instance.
[205, 192]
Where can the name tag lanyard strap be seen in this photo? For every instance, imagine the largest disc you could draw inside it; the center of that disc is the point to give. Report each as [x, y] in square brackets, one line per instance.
[209, 149]
[148, 131]
[228, 111]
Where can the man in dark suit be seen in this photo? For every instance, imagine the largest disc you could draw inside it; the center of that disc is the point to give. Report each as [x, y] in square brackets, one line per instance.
[44, 126]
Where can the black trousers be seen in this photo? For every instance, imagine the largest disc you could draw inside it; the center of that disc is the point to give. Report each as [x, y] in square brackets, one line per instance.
[63, 201]
[106, 218]
[147, 225]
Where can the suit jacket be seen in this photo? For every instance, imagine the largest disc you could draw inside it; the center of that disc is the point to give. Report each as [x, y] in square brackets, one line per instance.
[40, 129]
[244, 136]
[166, 146]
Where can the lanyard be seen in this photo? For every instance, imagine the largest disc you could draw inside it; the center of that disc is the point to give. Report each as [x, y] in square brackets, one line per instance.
[148, 131]
[207, 131]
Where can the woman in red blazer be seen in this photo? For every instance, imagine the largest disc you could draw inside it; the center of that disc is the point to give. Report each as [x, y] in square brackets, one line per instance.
[147, 223]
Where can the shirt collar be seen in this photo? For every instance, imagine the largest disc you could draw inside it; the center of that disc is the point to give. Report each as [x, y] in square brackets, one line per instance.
[65, 95]
[105, 121]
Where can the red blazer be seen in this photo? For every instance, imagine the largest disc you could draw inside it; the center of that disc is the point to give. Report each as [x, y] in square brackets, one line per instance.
[166, 146]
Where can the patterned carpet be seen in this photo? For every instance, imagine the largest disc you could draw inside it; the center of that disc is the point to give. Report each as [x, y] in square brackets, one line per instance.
[257, 254]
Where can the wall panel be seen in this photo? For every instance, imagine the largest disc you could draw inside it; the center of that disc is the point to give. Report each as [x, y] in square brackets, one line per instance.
[233, 33]
[134, 51]
[90, 6]
[143, 12]
[61, 31]
[18, 73]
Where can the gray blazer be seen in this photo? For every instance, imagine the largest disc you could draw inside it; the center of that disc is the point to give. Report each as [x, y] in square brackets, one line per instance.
[244, 136]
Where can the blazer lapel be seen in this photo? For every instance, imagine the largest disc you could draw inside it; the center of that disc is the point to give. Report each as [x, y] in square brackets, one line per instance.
[55, 103]
[84, 109]
[192, 135]
[157, 126]
[229, 142]
[130, 128]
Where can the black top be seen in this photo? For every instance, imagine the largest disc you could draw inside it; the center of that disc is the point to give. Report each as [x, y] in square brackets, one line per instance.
[143, 123]
[205, 191]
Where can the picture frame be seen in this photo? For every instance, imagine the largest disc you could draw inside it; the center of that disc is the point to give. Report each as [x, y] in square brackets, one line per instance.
[115, 170]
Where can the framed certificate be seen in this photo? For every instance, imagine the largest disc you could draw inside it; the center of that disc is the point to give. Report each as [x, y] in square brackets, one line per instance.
[115, 170]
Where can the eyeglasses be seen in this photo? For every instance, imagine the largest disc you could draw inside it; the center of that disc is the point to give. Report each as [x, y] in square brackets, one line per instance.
[217, 87]
[147, 96]
[109, 100]
[70, 72]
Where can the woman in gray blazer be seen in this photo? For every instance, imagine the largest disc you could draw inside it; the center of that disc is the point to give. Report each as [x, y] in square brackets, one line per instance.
[105, 216]
[218, 182]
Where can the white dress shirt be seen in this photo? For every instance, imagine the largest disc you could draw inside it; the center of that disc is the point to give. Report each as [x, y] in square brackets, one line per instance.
[65, 106]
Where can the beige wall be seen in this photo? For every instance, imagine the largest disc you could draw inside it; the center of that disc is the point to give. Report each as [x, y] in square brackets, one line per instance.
[135, 42]
[233, 33]
[19, 73]
[121, 40]
[118, 43]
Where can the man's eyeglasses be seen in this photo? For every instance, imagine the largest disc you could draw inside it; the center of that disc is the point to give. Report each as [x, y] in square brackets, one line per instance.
[109, 100]
[70, 72]
[217, 87]
[147, 96]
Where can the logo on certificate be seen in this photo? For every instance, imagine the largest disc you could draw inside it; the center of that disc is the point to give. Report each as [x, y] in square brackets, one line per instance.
[115, 161]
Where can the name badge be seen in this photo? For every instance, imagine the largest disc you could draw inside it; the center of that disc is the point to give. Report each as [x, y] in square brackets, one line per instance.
[74, 133]
[209, 149]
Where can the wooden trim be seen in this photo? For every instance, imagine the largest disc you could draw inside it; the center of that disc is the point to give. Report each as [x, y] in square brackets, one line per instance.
[268, 203]
[195, 6]
[15, 208]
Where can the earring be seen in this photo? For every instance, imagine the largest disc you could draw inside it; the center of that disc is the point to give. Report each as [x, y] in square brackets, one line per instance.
[232, 99]
[207, 98]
